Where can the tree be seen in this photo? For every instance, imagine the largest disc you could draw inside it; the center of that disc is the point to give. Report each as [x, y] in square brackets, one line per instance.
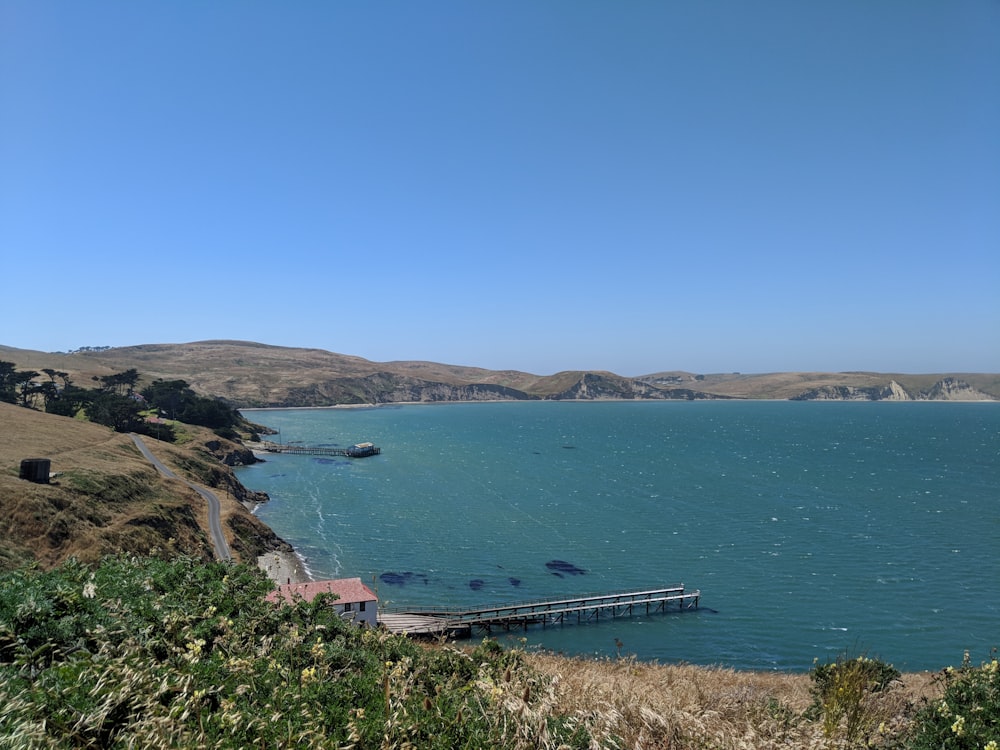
[178, 401]
[170, 396]
[120, 413]
[8, 386]
[69, 401]
[23, 379]
[122, 383]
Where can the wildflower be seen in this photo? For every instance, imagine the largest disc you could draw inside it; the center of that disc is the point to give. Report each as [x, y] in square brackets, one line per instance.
[943, 709]
[194, 649]
[959, 726]
[992, 744]
[308, 675]
[89, 590]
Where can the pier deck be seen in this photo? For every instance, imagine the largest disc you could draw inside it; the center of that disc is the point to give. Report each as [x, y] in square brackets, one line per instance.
[361, 450]
[462, 623]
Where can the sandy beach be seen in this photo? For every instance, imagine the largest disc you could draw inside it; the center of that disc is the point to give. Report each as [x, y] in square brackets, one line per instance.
[283, 567]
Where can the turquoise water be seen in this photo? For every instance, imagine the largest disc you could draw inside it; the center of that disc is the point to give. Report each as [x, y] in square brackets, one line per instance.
[810, 528]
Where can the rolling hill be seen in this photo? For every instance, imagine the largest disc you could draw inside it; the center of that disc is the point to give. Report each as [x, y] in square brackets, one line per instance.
[248, 374]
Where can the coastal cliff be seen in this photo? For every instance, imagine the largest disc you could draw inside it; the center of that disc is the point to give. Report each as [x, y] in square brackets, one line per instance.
[252, 375]
[946, 389]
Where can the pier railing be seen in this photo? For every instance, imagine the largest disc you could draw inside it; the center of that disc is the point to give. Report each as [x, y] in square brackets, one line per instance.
[555, 612]
[360, 450]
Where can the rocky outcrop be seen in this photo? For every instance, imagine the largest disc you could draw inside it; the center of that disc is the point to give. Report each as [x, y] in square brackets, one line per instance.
[593, 386]
[231, 454]
[387, 388]
[953, 389]
[837, 393]
[947, 389]
[891, 392]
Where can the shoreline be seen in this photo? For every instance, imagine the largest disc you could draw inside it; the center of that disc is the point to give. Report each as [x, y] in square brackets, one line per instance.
[284, 567]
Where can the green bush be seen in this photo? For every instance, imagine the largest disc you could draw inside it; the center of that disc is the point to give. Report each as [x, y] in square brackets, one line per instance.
[968, 714]
[177, 653]
[843, 693]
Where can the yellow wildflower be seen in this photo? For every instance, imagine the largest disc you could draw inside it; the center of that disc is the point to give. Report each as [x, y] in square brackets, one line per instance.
[959, 726]
[194, 649]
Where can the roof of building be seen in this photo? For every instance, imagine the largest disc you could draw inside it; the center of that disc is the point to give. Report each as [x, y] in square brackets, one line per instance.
[348, 591]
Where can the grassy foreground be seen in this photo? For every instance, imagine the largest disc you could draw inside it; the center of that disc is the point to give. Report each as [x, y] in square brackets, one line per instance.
[153, 653]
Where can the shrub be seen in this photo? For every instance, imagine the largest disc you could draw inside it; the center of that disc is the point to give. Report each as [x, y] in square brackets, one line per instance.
[177, 653]
[843, 694]
[968, 714]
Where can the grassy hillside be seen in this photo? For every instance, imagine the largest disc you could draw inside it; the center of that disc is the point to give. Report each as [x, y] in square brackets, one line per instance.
[105, 498]
[251, 374]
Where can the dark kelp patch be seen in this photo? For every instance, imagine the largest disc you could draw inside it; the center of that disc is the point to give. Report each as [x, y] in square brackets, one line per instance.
[402, 579]
[560, 567]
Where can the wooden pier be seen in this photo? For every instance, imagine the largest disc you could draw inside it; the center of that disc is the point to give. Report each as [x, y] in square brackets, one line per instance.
[463, 623]
[359, 450]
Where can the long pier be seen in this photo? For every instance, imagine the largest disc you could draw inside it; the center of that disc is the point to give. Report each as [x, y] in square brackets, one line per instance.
[360, 450]
[434, 621]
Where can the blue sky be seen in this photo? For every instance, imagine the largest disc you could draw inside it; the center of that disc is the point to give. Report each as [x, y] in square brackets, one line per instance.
[636, 187]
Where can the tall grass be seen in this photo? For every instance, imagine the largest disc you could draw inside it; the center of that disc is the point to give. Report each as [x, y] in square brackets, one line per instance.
[159, 653]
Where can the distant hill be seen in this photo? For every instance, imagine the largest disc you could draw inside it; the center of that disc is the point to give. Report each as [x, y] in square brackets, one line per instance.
[248, 374]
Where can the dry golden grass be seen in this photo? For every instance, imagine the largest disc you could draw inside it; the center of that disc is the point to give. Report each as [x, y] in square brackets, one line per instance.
[629, 704]
[248, 373]
[106, 498]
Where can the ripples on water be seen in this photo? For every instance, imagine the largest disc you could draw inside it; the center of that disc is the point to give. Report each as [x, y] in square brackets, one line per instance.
[810, 528]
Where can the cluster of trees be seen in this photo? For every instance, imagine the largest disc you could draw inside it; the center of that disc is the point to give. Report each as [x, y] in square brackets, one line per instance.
[115, 402]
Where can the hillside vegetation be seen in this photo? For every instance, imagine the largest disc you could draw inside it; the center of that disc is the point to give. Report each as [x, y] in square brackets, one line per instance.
[105, 498]
[178, 653]
[248, 374]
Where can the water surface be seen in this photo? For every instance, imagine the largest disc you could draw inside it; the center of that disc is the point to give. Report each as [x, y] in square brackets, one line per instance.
[810, 528]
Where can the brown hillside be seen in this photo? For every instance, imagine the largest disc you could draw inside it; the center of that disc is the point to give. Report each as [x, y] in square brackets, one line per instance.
[105, 498]
[252, 374]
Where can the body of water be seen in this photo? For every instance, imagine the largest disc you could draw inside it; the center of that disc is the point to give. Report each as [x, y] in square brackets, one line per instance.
[810, 528]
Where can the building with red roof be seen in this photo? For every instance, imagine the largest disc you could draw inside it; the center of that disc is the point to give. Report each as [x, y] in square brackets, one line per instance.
[355, 601]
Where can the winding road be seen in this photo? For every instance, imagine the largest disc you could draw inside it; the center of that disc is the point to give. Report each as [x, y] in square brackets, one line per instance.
[214, 523]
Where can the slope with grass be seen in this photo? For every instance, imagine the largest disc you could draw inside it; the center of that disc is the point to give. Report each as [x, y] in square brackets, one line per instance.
[248, 374]
[106, 498]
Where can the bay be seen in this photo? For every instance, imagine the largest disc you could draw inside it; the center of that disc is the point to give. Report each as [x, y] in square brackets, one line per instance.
[810, 528]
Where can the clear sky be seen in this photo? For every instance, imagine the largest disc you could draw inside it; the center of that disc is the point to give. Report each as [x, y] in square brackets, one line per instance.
[566, 184]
